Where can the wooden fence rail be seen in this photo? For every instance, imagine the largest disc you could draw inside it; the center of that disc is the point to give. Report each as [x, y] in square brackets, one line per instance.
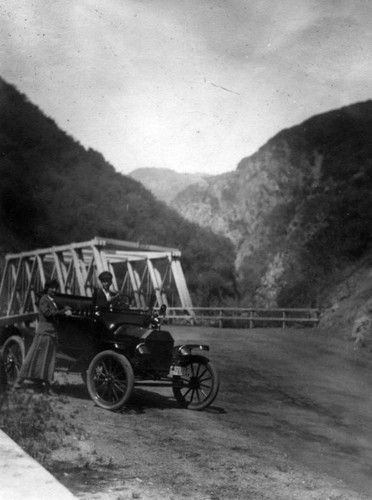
[244, 317]
[220, 317]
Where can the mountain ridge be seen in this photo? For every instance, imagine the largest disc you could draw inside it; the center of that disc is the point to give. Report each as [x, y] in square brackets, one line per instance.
[54, 191]
[164, 183]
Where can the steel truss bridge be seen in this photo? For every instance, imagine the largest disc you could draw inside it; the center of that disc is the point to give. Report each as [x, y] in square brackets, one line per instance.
[150, 275]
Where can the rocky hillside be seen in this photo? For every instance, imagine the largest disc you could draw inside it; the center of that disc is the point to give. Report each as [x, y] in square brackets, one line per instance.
[298, 211]
[164, 183]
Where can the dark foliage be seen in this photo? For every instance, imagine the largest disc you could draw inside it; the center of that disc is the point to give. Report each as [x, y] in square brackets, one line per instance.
[53, 191]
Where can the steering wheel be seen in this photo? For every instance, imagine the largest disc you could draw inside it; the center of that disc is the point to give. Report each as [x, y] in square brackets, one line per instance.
[121, 301]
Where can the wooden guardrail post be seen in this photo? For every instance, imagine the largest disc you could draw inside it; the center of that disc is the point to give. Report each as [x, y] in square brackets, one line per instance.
[220, 322]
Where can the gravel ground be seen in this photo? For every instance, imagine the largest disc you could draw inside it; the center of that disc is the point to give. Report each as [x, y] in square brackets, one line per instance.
[291, 421]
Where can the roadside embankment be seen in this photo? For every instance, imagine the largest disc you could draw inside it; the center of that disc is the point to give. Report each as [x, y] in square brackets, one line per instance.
[22, 478]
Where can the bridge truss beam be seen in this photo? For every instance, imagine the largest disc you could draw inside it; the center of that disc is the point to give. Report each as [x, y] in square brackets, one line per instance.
[150, 275]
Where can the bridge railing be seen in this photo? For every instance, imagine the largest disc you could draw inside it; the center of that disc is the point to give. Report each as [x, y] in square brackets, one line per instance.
[229, 317]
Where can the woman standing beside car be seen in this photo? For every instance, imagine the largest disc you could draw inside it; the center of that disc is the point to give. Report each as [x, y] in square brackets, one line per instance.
[39, 363]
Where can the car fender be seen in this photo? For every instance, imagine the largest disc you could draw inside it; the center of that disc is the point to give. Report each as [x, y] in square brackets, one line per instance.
[182, 352]
[26, 334]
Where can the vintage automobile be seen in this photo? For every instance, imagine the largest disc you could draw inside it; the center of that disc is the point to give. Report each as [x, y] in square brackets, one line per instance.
[116, 349]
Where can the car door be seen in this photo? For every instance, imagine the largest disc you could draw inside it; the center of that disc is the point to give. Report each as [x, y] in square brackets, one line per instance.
[76, 339]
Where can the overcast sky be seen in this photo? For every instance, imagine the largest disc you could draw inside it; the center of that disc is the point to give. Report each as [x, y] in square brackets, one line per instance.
[191, 85]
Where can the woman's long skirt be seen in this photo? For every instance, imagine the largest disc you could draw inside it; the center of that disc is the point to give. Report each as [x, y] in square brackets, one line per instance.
[41, 358]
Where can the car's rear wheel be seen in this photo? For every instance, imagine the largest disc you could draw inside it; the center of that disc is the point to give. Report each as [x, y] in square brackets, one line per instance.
[198, 387]
[13, 353]
[110, 380]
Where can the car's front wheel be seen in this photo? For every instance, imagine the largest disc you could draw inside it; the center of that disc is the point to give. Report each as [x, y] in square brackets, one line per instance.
[110, 380]
[13, 353]
[198, 386]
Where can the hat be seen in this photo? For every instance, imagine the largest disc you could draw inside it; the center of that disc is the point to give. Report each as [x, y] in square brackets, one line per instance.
[106, 275]
[51, 284]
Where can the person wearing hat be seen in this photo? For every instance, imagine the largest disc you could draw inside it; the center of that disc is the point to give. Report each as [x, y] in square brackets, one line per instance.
[103, 296]
[40, 360]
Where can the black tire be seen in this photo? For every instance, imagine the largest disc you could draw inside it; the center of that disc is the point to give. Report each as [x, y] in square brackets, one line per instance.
[110, 380]
[199, 388]
[13, 353]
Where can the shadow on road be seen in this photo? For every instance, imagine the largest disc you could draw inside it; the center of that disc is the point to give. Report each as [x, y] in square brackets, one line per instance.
[140, 401]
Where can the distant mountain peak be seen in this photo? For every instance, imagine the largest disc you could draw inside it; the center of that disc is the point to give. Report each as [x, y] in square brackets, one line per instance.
[165, 183]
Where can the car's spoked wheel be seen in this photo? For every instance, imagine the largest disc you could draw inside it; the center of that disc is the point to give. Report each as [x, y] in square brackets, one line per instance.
[198, 387]
[13, 353]
[110, 380]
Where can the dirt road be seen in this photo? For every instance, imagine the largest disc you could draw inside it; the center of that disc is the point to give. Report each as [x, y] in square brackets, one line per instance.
[292, 421]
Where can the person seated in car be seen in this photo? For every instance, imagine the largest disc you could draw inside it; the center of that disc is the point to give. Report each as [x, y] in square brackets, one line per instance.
[103, 296]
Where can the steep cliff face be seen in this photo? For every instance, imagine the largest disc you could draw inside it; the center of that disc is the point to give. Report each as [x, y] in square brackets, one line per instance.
[297, 210]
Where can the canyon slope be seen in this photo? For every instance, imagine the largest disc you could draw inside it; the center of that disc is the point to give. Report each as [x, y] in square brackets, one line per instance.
[298, 211]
